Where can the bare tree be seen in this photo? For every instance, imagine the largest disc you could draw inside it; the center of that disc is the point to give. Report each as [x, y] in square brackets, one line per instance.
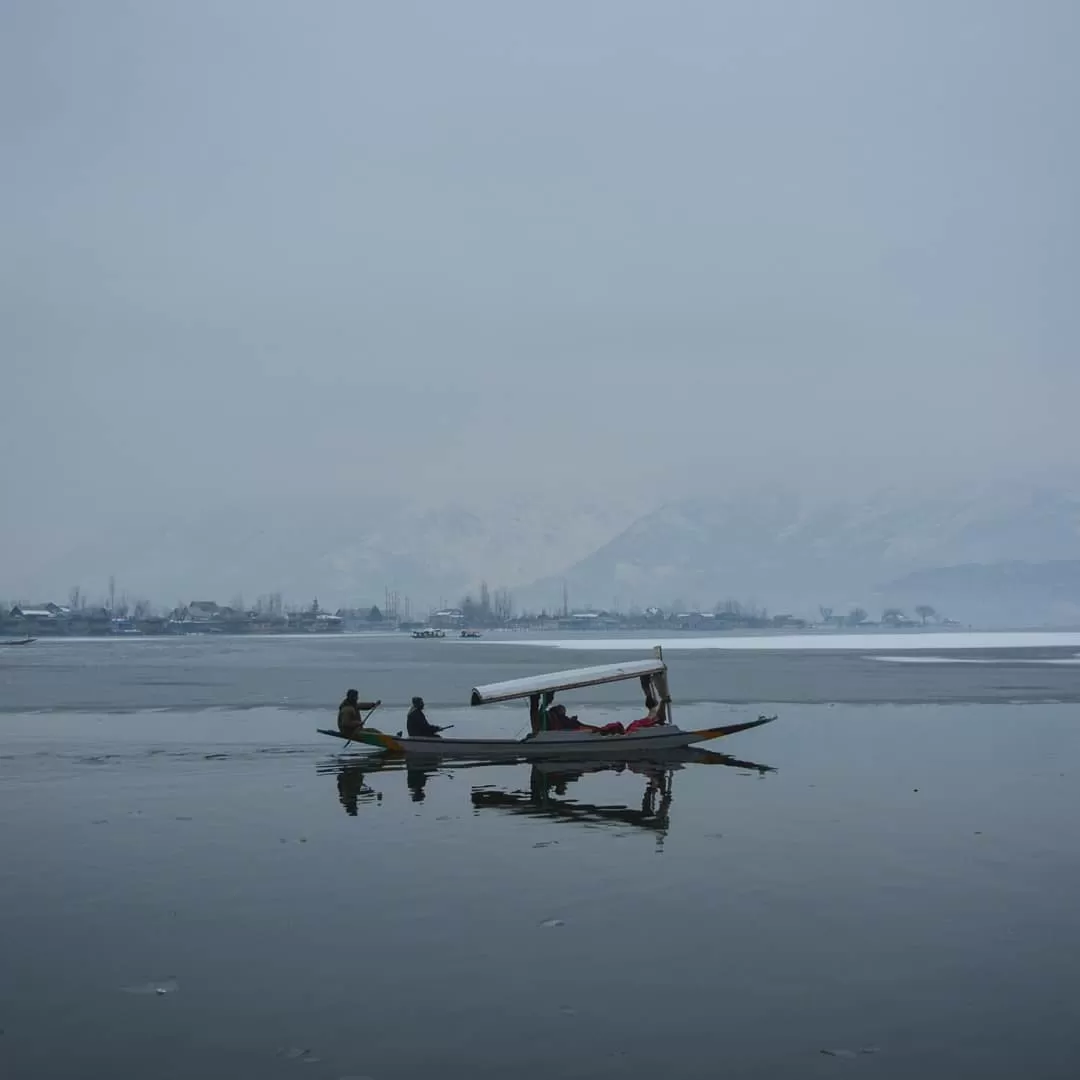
[469, 609]
[856, 616]
[503, 605]
[826, 614]
[925, 612]
[75, 598]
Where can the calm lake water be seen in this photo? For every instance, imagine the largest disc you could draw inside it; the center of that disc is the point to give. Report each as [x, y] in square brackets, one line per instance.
[883, 883]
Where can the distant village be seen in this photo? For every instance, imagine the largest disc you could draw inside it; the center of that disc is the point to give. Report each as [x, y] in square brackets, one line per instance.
[270, 616]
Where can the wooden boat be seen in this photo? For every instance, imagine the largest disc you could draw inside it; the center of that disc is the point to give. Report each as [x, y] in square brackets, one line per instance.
[21, 641]
[660, 734]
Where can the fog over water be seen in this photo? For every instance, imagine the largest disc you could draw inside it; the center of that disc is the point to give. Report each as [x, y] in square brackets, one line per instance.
[256, 252]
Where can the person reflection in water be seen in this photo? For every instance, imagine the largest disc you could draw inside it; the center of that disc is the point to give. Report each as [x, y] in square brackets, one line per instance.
[351, 789]
[542, 785]
[416, 780]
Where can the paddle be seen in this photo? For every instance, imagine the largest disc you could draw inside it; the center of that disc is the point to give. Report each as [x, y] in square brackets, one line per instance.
[446, 728]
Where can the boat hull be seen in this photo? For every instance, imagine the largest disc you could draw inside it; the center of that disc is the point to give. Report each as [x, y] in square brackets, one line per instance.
[548, 744]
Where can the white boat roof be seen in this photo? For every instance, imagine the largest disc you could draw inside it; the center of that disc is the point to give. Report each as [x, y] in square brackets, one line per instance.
[565, 680]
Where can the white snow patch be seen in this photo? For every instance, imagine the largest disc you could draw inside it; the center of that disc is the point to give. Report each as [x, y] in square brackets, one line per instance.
[865, 642]
[1074, 660]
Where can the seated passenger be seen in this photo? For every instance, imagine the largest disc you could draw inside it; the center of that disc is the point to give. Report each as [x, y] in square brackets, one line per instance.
[557, 720]
[614, 728]
[418, 725]
[654, 716]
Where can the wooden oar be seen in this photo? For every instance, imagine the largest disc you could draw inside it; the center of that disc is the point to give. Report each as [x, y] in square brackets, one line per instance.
[437, 728]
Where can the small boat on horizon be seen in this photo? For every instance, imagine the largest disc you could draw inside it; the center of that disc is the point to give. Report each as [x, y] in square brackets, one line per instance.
[654, 732]
[21, 641]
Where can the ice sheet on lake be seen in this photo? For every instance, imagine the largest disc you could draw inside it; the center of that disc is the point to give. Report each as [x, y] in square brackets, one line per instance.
[1018, 639]
[1068, 660]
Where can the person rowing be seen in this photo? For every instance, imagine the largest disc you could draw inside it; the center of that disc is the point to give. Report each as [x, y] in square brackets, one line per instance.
[418, 725]
[350, 718]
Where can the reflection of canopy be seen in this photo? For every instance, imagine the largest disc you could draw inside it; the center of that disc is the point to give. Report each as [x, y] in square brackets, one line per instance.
[540, 802]
[549, 778]
[566, 680]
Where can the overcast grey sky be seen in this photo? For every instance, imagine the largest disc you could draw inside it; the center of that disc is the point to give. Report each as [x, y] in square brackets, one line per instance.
[350, 247]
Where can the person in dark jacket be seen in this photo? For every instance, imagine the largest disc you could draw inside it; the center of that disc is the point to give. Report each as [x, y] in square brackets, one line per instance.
[350, 712]
[417, 723]
[559, 720]
[548, 716]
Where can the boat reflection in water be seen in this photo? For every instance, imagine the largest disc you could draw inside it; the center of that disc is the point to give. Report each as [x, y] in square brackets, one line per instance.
[549, 782]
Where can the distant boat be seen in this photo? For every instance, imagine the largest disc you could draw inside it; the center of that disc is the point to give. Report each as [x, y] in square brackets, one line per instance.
[23, 641]
[429, 632]
[470, 633]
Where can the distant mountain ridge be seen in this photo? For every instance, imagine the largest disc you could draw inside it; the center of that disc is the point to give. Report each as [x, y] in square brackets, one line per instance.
[792, 554]
[996, 594]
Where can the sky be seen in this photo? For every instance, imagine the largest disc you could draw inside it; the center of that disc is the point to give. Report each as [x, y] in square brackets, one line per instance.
[345, 249]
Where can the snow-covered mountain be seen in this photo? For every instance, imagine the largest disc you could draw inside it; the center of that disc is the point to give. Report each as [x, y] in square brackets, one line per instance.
[791, 553]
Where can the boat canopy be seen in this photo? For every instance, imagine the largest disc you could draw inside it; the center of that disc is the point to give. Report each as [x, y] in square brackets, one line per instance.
[565, 680]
